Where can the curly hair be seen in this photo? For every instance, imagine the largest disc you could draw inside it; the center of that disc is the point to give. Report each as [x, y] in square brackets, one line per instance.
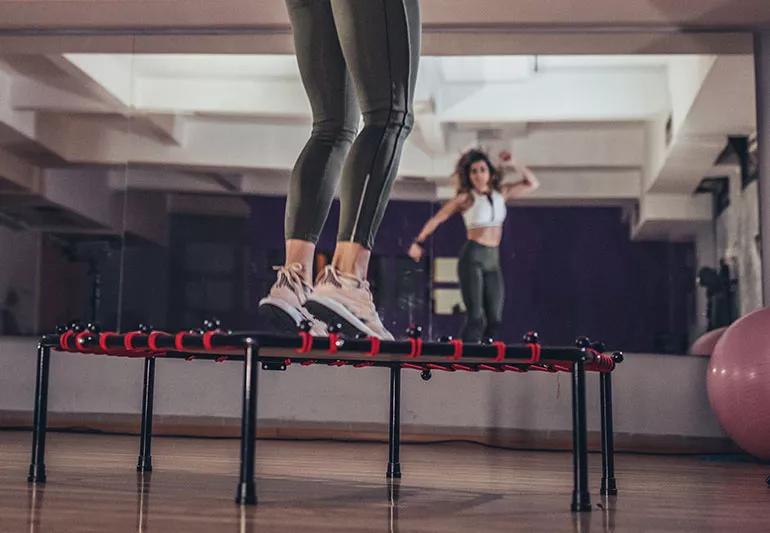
[462, 173]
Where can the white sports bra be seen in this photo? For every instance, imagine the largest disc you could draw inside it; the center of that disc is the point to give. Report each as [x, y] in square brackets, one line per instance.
[486, 210]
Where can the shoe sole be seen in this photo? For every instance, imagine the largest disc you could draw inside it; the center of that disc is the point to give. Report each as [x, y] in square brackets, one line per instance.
[283, 318]
[333, 312]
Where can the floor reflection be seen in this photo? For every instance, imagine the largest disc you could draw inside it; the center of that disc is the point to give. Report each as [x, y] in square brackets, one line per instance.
[35, 496]
[92, 486]
[143, 480]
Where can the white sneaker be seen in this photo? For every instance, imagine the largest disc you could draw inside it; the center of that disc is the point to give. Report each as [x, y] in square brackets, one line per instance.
[347, 300]
[283, 306]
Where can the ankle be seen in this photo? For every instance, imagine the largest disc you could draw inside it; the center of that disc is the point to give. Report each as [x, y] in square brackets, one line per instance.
[352, 259]
[302, 253]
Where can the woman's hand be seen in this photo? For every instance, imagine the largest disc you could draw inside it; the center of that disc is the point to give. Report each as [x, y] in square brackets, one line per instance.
[415, 252]
[507, 160]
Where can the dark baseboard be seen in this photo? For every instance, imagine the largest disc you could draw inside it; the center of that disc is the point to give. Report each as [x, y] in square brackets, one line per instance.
[224, 427]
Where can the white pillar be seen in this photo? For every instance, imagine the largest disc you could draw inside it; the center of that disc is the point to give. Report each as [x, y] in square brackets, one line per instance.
[762, 75]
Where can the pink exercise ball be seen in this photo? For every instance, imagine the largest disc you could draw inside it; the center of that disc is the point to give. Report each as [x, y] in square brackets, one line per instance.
[738, 382]
[704, 345]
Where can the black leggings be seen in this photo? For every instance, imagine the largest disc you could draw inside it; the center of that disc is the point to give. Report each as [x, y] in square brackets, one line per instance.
[481, 282]
[352, 53]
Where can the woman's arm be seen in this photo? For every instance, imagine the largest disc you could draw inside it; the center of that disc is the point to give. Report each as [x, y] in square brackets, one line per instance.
[447, 210]
[526, 185]
[442, 215]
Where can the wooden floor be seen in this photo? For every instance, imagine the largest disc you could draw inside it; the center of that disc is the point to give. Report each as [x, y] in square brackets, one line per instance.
[328, 486]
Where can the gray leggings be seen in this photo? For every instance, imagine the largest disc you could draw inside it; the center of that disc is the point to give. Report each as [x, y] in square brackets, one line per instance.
[481, 282]
[352, 53]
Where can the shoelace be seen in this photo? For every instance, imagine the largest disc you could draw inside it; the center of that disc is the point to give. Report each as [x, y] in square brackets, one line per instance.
[326, 273]
[332, 272]
[301, 288]
[295, 280]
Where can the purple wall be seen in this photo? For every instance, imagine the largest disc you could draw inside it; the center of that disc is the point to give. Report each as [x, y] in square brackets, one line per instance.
[568, 272]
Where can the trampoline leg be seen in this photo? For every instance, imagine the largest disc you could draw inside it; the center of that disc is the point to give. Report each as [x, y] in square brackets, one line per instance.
[609, 486]
[581, 498]
[37, 465]
[247, 494]
[394, 424]
[144, 464]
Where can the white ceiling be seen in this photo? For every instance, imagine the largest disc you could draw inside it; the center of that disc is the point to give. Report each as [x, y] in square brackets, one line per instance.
[593, 126]
[450, 27]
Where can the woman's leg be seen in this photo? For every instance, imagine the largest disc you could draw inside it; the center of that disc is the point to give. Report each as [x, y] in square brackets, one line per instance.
[380, 40]
[472, 287]
[494, 298]
[336, 114]
[316, 173]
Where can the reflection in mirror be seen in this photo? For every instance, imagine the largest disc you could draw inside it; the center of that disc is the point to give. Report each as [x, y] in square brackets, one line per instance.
[63, 122]
[603, 231]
